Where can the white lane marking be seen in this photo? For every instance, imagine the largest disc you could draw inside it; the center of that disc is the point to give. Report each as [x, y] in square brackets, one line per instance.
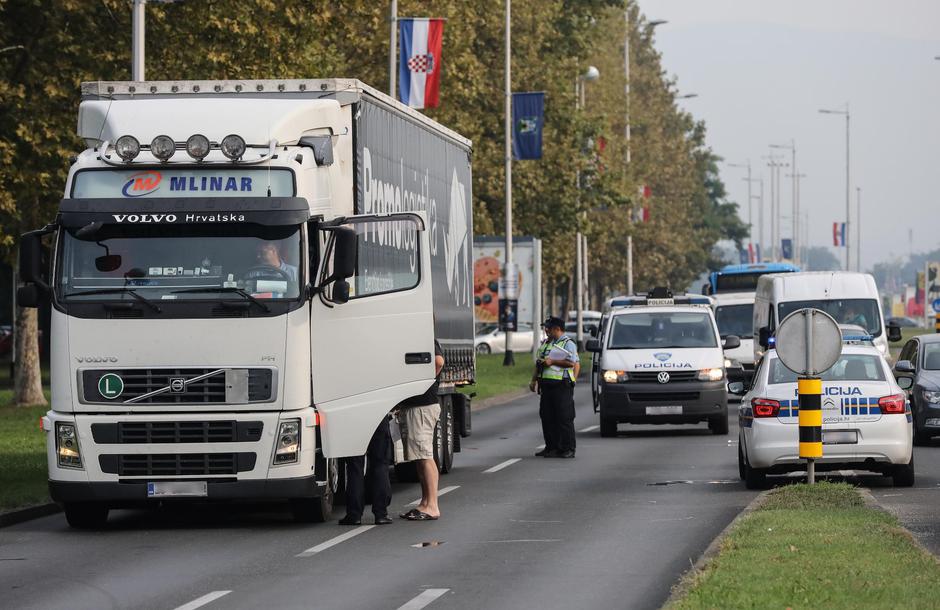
[202, 601]
[540, 447]
[502, 465]
[440, 493]
[528, 521]
[426, 597]
[334, 541]
[589, 428]
[523, 540]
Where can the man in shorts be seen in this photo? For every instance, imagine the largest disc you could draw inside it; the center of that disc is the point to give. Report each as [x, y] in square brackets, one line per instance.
[418, 419]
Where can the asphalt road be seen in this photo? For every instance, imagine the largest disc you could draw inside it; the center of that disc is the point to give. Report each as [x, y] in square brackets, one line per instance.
[613, 528]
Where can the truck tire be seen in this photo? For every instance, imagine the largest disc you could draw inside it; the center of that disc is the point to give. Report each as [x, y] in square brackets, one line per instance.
[902, 475]
[320, 509]
[86, 515]
[439, 444]
[608, 427]
[447, 440]
[719, 424]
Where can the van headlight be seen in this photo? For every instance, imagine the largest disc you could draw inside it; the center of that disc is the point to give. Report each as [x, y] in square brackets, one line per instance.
[68, 453]
[287, 444]
[711, 374]
[615, 376]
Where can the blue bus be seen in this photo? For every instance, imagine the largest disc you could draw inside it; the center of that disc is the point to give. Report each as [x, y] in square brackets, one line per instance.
[743, 278]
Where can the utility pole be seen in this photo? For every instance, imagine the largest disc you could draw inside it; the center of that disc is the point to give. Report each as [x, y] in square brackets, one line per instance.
[798, 235]
[848, 211]
[508, 268]
[626, 134]
[774, 203]
[760, 220]
[393, 50]
[794, 223]
[858, 228]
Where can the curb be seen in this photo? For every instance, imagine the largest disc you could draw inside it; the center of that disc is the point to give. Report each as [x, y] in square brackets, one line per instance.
[689, 577]
[872, 502]
[29, 513]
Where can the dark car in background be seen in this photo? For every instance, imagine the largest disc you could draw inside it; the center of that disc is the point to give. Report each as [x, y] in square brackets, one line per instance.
[903, 322]
[920, 360]
[6, 340]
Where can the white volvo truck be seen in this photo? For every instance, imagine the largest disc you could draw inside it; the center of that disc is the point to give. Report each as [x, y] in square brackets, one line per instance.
[245, 278]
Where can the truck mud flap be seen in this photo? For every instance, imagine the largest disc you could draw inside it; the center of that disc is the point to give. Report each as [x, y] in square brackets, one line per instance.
[462, 420]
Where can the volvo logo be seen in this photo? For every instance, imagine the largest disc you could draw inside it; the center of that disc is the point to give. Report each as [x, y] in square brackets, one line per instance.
[177, 385]
[663, 377]
[96, 359]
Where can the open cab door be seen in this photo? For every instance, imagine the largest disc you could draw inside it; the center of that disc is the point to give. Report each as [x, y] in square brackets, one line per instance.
[372, 337]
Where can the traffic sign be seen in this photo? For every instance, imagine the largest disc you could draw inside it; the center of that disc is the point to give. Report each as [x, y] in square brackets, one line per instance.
[936, 305]
[808, 342]
[110, 386]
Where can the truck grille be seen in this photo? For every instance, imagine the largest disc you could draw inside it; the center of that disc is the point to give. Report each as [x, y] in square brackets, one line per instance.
[177, 432]
[195, 386]
[664, 396]
[176, 464]
[673, 375]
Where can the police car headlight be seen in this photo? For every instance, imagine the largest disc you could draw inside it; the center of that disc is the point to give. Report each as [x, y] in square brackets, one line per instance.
[711, 374]
[615, 376]
[287, 447]
[932, 397]
[162, 147]
[127, 148]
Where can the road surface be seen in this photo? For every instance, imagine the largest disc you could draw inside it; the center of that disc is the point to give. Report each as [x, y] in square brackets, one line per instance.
[615, 527]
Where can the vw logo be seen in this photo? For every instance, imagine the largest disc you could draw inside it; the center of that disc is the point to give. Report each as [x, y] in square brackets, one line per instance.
[177, 385]
[663, 377]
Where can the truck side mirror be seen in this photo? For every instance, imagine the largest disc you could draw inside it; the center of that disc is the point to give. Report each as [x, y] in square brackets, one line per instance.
[339, 293]
[345, 249]
[31, 259]
[894, 333]
[27, 296]
[731, 342]
[593, 345]
[763, 336]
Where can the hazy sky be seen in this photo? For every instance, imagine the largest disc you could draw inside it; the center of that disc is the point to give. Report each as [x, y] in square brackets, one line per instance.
[762, 70]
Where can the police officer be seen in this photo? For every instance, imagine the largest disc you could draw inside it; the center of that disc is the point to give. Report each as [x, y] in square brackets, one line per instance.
[556, 369]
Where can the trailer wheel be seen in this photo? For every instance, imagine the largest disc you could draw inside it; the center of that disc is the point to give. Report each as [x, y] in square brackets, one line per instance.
[86, 515]
[439, 444]
[447, 440]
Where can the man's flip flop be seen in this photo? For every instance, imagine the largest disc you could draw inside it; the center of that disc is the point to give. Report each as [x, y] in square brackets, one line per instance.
[409, 514]
[417, 515]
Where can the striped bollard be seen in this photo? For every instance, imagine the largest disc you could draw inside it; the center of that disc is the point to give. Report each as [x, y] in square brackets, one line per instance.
[810, 399]
[937, 323]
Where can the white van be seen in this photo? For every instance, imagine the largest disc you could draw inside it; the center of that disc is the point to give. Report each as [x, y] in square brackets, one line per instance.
[850, 298]
[734, 313]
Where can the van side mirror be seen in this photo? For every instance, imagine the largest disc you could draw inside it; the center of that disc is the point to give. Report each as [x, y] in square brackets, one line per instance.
[763, 336]
[894, 333]
[593, 345]
[904, 366]
[731, 342]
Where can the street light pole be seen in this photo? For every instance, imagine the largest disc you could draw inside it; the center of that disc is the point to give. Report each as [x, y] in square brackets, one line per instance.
[848, 211]
[591, 74]
[795, 207]
[508, 359]
[858, 228]
[750, 224]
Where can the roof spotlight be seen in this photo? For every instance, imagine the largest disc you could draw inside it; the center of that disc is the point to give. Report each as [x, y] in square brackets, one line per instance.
[127, 147]
[163, 147]
[197, 146]
[233, 147]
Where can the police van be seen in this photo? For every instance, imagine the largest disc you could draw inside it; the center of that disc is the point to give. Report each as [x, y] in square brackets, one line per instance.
[661, 361]
[866, 417]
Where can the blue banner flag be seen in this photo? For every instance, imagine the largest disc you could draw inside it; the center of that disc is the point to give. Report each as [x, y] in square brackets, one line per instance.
[786, 246]
[528, 116]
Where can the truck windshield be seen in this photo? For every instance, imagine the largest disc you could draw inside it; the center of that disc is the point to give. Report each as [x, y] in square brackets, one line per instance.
[662, 330]
[861, 312]
[204, 262]
[735, 319]
[850, 367]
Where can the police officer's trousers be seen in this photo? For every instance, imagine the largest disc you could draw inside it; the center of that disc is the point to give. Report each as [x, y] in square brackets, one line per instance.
[556, 408]
[380, 460]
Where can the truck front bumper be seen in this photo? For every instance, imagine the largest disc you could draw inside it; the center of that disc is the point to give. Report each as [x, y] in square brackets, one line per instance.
[135, 493]
[654, 403]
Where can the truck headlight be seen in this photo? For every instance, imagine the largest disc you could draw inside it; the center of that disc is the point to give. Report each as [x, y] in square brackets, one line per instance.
[711, 374]
[616, 376]
[68, 453]
[287, 444]
[127, 148]
[932, 397]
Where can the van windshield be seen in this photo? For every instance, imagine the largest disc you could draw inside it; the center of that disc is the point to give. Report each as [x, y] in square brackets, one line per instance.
[662, 330]
[861, 312]
[735, 319]
[849, 367]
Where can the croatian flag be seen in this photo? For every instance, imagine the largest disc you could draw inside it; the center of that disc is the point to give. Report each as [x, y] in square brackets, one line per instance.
[419, 68]
[838, 234]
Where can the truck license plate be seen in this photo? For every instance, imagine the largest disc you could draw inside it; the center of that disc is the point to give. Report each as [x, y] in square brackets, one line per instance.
[839, 437]
[178, 489]
[671, 410]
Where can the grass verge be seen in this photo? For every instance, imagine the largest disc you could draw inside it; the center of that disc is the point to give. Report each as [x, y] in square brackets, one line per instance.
[816, 547]
[22, 455]
[494, 379]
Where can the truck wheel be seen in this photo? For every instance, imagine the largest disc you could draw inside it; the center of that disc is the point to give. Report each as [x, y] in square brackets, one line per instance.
[608, 427]
[903, 474]
[86, 515]
[318, 510]
[447, 440]
[719, 424]
[740, 461]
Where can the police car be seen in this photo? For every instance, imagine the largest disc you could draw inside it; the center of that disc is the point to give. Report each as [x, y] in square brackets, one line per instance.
[866, 418]
[660, 361]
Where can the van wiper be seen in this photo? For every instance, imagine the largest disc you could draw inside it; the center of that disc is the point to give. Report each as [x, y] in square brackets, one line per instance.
[229, 289]
[122, 290]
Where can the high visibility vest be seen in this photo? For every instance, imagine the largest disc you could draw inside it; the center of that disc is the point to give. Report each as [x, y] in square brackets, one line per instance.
[555, 373]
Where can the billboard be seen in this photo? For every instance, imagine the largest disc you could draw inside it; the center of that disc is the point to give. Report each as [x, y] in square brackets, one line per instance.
[488, 256]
